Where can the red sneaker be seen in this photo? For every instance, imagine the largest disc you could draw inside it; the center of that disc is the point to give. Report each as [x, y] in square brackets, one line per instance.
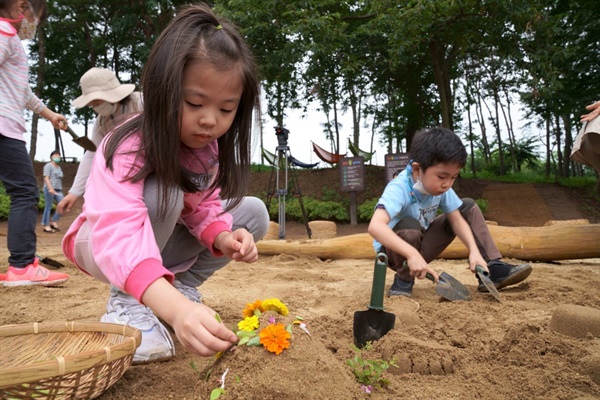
[33, 275]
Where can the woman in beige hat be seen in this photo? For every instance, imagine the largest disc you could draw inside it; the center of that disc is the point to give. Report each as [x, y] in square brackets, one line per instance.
[111, 100]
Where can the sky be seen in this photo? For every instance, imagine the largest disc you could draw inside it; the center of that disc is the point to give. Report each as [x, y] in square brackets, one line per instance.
[303, 131]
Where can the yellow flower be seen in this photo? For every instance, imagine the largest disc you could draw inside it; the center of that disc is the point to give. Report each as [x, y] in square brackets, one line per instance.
[275, 305]
[275, 338]
[249, 323]
[251, 307]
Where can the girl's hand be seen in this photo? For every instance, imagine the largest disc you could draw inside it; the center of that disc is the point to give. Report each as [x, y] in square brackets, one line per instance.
[57, 120]
[199, 331]
[238, 245]
[195, 325]
[66, 203]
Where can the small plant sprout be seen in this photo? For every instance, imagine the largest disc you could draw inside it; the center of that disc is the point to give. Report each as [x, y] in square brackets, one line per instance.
[369, 373]
[216, 393]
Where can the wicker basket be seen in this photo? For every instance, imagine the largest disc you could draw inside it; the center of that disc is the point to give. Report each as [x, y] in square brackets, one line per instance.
[64, 360]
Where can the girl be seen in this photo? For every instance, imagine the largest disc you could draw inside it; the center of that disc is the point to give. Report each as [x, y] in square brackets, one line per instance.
[53, 176]
[18, 20]
[111, 100]
[153, 224]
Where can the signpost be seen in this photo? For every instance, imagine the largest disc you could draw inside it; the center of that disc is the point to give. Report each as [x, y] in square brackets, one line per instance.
[395, 162]
[352, 180]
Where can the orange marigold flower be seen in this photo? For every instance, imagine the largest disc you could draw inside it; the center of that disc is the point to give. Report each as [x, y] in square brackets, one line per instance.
[275, 338]
[251, 307]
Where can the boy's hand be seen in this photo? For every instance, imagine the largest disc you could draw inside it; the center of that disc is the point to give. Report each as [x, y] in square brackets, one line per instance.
[476, 259]
[238, 245]
[419, 268]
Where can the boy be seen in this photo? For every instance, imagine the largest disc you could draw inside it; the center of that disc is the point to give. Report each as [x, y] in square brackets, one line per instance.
[405, 225]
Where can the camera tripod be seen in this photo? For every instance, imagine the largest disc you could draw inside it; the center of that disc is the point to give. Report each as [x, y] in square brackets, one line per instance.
[278, 184]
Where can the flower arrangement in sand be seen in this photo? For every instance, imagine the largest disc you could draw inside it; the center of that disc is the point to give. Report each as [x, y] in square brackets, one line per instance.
[271, 334]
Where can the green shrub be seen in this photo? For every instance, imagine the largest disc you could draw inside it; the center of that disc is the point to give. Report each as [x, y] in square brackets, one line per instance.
[5, 203]
[483, 204]
[365, 210]
[315, 209]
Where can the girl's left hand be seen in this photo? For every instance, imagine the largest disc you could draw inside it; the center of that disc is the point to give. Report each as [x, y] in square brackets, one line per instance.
[238, 245]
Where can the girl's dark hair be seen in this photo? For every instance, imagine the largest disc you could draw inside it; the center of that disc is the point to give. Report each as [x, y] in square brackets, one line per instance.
[195, 35]
[54, 152]
[436, 146]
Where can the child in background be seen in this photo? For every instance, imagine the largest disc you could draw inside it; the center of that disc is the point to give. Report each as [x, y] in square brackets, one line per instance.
[406, 226]
[18, 20]
[53, 177]
[153, 223]
[112, 101]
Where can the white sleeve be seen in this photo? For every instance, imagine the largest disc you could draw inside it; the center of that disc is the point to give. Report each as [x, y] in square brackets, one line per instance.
[83, 171]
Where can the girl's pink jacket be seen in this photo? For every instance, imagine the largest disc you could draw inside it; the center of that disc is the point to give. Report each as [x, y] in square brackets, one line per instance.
[122, 238]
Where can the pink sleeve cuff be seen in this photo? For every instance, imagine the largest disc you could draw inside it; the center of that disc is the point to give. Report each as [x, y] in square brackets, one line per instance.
[210, 233]
[144, 275]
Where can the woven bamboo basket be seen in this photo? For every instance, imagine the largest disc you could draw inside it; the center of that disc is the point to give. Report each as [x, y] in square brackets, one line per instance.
[64, 360]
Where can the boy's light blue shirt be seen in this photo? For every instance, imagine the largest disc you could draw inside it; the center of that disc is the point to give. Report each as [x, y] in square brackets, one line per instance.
[401, 201]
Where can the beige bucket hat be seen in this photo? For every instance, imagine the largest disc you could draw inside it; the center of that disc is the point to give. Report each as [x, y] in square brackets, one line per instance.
[101, 84]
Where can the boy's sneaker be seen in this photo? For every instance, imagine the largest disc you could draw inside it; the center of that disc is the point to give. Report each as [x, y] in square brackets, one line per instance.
[157, 343]
[503, 274]
[33, 275]
[400, 287]
[190, 292]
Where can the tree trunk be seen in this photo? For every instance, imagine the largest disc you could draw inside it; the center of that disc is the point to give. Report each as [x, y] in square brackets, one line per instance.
[511, 133]
[437, 51]
[568, 145]
[548, 148]
[543, 243]
[558, 134]
[39, 87]
[481, 119]
[498, 133]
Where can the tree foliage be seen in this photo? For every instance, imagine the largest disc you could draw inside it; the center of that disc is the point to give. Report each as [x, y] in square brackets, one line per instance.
[394, 66]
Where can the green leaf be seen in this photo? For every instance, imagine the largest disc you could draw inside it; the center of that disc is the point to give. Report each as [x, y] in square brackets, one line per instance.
[243, 341]
[216, 393]
[243, 334]
[255, 341]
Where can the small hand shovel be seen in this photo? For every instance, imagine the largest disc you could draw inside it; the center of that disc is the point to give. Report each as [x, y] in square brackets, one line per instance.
[372, 324]
[83, 141]
[450, 288]
[485, 278]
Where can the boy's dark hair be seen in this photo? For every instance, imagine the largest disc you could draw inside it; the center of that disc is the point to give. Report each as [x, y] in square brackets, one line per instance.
[54, 152]
[195, 35]
[436, 146]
